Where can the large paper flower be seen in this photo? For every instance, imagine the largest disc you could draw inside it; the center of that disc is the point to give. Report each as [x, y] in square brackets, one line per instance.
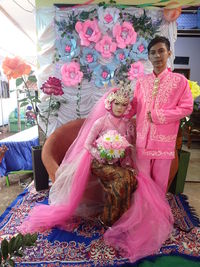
[121, 56]
[71, 74]
[106, 47]
[195, 89]
[52, 86]
[170, 12]
[104, 75]
[67, 48]
[15, 67]
[125, 34]
[88, 31]
[136, 70]
[90, 57]
[139, 50]
[108, 17]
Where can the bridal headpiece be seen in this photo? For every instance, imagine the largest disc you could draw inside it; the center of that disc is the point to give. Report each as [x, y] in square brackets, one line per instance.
[122, 94]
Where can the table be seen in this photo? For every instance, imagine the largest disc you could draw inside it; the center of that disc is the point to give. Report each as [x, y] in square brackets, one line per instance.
[19, 154]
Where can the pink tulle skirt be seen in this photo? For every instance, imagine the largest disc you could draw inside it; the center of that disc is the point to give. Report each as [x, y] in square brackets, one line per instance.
[138, 233]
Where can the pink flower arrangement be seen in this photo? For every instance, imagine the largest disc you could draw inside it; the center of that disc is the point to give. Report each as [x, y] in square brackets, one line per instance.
[52, 86]
[88, 31]
[111, 146]
[125, 35]
[136, 70]
[71, 74]
[106, 47]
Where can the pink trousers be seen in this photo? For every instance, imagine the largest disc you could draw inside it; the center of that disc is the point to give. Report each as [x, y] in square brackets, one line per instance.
[156, 169]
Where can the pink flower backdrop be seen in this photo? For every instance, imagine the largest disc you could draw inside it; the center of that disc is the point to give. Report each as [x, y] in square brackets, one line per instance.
[92, 48]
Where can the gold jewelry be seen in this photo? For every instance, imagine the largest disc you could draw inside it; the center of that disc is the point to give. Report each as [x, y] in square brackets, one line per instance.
[155, 87]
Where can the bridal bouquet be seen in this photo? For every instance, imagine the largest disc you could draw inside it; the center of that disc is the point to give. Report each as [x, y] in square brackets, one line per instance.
[111, 146]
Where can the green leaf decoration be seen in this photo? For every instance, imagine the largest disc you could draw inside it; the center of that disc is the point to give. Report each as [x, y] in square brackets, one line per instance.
[32, 78]
[18, 242]
[11, 262]
[34, 237]
[36, 100]
[4, 249]
[18, 254]
[23, 99]
[0, 258]
[23, 104]
[19, 81]
[11, 245]
[27, 240]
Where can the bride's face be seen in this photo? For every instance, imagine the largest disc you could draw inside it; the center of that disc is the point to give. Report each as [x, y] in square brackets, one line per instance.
[118, 108]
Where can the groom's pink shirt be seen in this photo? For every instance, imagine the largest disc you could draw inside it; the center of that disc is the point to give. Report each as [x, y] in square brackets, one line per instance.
[156, 140]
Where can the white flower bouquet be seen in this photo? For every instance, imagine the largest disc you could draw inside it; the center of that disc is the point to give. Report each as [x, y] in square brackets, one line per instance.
[111, 146]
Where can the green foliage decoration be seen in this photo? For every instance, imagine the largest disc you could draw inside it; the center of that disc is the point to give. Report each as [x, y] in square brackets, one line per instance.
[10, 249]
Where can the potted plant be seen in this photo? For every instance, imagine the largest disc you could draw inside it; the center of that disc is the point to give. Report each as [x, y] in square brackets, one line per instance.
[10, 249]
[26, 83]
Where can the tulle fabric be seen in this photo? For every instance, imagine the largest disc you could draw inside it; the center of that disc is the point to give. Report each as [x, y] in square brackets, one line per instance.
[71, 180]
[139, 232]
[146, 225]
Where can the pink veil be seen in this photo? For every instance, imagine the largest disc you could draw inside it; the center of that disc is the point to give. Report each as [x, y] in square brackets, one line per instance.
[138, 233]
[71, 180]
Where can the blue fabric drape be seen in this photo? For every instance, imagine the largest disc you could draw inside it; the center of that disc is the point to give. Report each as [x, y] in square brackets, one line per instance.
[18, 156]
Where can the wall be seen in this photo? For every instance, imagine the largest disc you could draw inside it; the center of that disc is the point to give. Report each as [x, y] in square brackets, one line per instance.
[189, 47]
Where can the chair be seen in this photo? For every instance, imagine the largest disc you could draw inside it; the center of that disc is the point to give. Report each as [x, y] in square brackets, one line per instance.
[60, 140]
[57, 144]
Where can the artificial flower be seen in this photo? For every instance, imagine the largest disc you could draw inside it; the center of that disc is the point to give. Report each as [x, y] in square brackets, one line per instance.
[52, 86]
[88, 31]
[67, 47]
[106, 47]
[90, 57]
[108, 17]
[139, 50]
[15, 67]
[121, 55]
[125, 34]
[71, 74]
[111, 146]
[136, 70]
[195, 89]
[104, 75]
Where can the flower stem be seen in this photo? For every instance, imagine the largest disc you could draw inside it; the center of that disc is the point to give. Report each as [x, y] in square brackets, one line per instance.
[78, 101]
[29, 97]
[47, 119]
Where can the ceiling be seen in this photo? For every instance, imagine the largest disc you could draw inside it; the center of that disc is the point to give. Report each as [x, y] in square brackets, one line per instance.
[18, 30]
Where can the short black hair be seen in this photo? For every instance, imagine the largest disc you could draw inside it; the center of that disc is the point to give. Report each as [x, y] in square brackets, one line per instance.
[159, 39]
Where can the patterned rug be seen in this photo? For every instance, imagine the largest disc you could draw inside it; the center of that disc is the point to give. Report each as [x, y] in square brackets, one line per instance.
[84, 246]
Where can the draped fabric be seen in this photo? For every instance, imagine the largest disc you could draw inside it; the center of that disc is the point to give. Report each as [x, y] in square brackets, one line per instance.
[79, 101]
[19, 153]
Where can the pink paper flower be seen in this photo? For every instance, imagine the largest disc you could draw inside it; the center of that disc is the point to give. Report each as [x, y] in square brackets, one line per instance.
[71, 74]
[136, 70]
[88, 31]
[106, 47]
[125, 34]
[52, 86]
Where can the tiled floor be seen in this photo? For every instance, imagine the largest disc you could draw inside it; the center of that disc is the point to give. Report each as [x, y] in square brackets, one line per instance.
[192, 185]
